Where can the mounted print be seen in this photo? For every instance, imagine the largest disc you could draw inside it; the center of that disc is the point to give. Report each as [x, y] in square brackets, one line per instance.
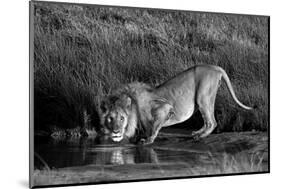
[120, 94]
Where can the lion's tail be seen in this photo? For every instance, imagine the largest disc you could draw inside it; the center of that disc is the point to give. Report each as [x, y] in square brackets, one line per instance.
[230, 89]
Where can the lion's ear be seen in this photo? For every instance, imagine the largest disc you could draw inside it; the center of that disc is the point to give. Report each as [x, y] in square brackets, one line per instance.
[103, 106]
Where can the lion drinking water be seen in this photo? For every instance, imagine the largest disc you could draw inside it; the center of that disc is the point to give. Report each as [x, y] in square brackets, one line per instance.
[137, 104]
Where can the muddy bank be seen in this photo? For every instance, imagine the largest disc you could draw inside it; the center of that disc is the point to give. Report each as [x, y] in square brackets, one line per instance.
[174, 154]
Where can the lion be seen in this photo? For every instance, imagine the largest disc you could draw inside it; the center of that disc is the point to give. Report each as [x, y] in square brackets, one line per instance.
[131, 109]
[138, 106]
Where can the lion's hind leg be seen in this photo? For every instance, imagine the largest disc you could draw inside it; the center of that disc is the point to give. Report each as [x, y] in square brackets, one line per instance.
[206, 103]
[210, 124]
[198, 132]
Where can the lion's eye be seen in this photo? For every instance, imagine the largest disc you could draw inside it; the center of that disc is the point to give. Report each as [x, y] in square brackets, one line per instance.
[122, 118]
[109, 119]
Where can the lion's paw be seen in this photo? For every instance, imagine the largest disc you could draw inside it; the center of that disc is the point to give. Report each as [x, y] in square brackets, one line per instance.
[196, 137]
[144, 141]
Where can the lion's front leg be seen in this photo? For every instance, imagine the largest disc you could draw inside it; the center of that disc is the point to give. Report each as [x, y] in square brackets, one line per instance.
[161, 112]
[153, 134]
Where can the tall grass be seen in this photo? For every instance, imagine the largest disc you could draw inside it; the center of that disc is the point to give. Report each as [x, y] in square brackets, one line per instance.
[82, 52]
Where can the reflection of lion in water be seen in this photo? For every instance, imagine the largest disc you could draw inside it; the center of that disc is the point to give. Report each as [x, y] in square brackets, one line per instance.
[138, 105]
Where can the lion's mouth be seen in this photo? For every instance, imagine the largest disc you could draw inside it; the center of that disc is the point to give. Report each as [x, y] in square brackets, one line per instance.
[117, 137]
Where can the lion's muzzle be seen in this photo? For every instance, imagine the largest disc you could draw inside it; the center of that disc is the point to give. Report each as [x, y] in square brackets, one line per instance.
[117, 137]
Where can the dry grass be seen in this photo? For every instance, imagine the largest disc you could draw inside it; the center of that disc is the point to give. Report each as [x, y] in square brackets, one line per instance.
[81, 53]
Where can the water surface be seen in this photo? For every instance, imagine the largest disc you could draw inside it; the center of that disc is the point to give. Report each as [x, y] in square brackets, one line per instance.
[172, 154]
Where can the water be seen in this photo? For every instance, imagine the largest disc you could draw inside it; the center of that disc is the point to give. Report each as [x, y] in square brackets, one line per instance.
[169, 149]
[173, 154]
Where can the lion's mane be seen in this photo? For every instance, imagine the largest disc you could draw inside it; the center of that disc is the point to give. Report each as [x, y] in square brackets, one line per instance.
[139, 94]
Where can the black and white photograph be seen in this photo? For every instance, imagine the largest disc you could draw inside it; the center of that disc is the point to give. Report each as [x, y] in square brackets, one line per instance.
[122, 94]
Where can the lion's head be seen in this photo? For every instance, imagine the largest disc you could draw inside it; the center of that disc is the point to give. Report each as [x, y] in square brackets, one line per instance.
[118, 118]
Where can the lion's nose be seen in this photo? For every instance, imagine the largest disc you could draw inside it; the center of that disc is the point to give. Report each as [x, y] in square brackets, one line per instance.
[115, 131]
